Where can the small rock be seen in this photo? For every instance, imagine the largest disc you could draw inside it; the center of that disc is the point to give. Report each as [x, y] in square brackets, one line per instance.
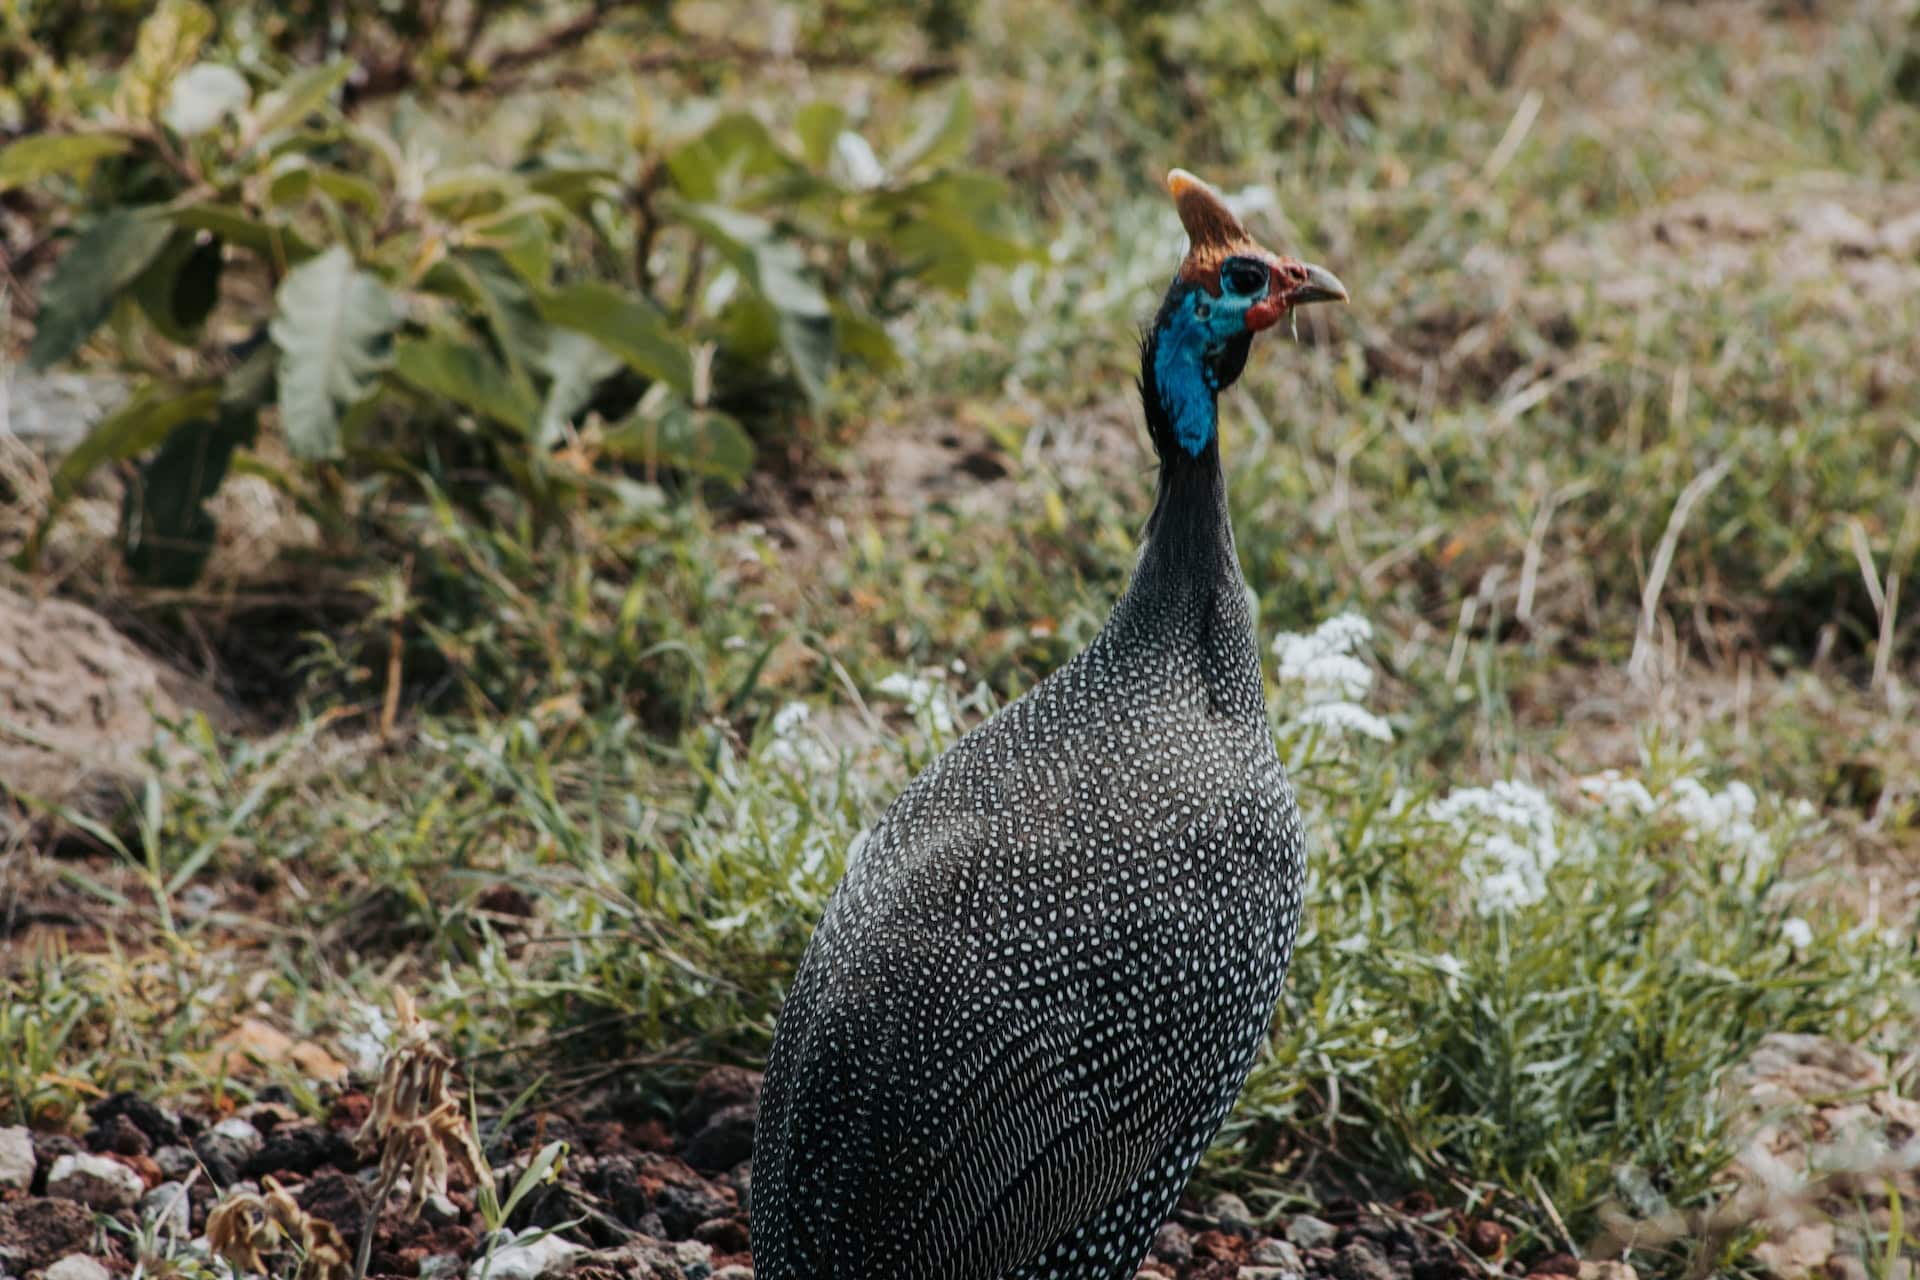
[682, 1206]
[720, 1088]
[77, 1266]
[226, 1148]
[1170, 1243]
[741, 1180]
[167, 1205]
[55, 411]
[17, 1161]
[268, 1115]
[242, 1133]
[335, 1197]
[695, 1259]
[36, 1231]
[1359, 1262]
[440, 1210]
[1309, 1232]
[1231, 1212]
[726, 1235]
[175, 1161]
[735, 1272]
[1218, 1246]
[643, 1257]
[95, 1181]
[724, 1140]
[348, 1112]
[440, 1266]
[524, 1258]
[1487, 1237]
[1269, 1273]
[120, 1136]
[47, 1148]
[1276, 1253]
[299, 1148]
[1607, 1271]
[84, 703]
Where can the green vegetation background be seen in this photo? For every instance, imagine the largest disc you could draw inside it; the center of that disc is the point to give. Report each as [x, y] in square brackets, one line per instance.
[643, 371]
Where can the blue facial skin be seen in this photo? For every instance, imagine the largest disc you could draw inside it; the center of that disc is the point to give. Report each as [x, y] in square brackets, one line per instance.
[1188, 343]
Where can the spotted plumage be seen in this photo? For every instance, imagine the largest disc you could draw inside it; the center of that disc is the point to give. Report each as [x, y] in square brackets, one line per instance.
[1045, 975]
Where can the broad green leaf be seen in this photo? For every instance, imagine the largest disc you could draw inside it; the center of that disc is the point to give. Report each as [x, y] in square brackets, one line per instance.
[733, 151]
[575, 185]
[178, 291]
[749, 328]
[864, 339]
[854, 163]
[332, 324]
[350, 189]
[627, 326]
[96, 267]
[575, 365]
[169, 41]
[166, 532]
[683, 438]
[947, 224]
[777, 270]
[271, 240]
[818, 124]
[289, 180]
[41, 156]
[469, 193]
[462, 371]
[143, 422]
[521, 233]
[377, 142]
[204, 95]
[809, 344]
[301, 96]
[484, 282]
[773, 265]
[944, 136]
[249, 385]
[295, 178]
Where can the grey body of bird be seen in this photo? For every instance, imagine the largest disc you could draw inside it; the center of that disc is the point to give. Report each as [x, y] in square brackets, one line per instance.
[1047, 971]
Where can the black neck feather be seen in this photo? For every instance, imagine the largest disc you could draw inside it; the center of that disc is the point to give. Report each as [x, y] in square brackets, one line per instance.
[1188, 546]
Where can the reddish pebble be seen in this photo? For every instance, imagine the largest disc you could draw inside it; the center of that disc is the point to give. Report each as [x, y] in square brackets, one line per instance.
[1488, 1238]
[348, 1112]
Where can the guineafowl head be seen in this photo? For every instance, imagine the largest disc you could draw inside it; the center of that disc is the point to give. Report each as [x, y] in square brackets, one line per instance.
[1227, 289]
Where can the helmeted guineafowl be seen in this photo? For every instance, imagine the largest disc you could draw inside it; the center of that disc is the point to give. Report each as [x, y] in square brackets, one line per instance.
[1045, 975]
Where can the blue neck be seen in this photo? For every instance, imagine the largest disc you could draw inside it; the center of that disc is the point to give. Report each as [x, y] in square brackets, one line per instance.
[1183, 375]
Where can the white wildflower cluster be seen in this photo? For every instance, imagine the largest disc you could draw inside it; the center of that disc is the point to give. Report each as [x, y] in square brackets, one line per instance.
[367, 1042]
[925, 698]
[1330, 679]
[1725, 817]
[1511, 844]
[792, 744]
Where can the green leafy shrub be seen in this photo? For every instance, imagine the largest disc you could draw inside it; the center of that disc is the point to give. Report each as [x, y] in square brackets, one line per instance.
[542, 313]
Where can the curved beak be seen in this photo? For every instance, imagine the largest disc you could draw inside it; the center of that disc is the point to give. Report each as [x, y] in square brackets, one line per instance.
[1321, 285]
[1294, 285]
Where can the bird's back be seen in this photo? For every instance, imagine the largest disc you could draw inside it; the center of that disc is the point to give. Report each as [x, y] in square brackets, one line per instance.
[1043, 979]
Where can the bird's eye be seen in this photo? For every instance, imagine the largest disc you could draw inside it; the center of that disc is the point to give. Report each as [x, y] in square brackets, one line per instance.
[1243, 275]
